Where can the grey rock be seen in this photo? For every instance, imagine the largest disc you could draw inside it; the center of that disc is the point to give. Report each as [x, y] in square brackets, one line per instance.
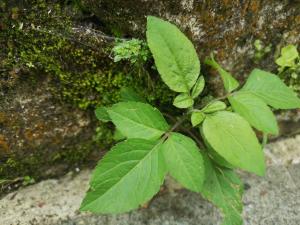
[273, 199]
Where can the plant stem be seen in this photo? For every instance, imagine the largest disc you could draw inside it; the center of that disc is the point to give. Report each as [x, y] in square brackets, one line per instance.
[183, 118]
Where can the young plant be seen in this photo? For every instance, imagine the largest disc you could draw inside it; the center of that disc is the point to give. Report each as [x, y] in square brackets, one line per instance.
[132, 172]
[260, 50]
[133, 50]
[289, 58]
[289, 66]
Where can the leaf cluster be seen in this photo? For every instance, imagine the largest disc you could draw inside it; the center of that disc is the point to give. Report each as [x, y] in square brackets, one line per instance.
[133, 50]
[133, 171]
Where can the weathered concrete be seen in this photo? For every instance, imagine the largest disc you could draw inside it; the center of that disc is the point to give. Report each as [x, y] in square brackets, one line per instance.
[274, 199]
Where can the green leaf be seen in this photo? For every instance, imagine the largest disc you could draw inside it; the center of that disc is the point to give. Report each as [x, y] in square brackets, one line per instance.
[175, 56]
[288, 56]
[183, 101]
[129, 95]
[271, 90]
[102, 114]
[219, 160]
[255, 111]
[198, 87]
[197, 118]
[224, 189]
[118, 136]
[231, 137]
[128, 176]
[214, 106]
[230, 83]
[138, 120]
[184, 161]
[215, 156]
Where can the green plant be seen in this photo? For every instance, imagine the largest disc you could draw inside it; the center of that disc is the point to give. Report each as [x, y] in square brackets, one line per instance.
[28, 180]
[202, 156]
[260, 50]
[289, 58]
[133, 50]
[289, 66]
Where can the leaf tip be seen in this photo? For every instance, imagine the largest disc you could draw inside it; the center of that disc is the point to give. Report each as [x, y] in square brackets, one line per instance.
[152, 19]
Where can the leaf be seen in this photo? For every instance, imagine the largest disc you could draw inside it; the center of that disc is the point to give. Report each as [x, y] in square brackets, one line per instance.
[102, 114]
[224, 189]
[214, 106]
[129, 95]
[219, 160]
[118, 136]
[138, 120]
[197, 118]
[184, 161]
[230, 83]
[128, 176]
[216, 158]
[198, 87]
[183, 100]
[271, 90]
[175, 56]
[255, 111]
[288, 56]
[232, 138]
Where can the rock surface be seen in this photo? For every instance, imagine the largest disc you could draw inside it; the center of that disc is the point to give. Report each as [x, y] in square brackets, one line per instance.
[227, 27]
[32, 122]
[274, 199]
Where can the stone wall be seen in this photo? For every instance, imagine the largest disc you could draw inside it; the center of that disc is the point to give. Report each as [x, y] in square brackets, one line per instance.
[56, 67]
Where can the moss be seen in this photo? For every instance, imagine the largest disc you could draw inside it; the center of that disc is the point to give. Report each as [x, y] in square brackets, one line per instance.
[40, 42]
[86, 77]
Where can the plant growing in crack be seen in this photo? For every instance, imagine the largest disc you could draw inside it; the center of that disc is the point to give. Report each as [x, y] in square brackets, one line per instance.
[204, 161]
[289, 66]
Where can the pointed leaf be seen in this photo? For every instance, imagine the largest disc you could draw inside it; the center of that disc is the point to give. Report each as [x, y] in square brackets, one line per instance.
[231, 137]
[184, 161]
[183, 101]
[230, 83]
[198, 88]
[224, 189]
[214, 106]
[128, 176]
[129, 95]
[102, 114]
[216, 158]
[219, 160]
[174, 54]
[255, 111]
[197, 118]
[271, 90]
[138, 120]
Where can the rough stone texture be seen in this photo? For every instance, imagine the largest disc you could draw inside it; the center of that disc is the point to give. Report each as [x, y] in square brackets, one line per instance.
[269, 200]
[227, 27]
[32, 122]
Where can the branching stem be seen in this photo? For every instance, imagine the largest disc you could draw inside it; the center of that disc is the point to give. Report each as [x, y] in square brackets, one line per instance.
[183, 118]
